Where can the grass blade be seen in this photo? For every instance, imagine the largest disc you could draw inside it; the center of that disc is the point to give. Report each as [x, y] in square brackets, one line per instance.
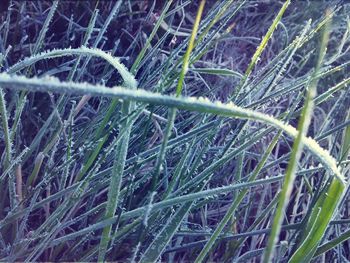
[292, 165]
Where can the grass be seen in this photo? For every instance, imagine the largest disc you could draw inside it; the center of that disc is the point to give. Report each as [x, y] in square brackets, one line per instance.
[142, 132]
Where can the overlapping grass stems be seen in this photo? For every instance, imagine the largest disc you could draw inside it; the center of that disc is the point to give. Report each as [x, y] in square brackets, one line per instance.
[107, 183]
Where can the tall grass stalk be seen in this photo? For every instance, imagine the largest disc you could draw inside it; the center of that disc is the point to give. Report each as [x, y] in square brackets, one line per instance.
[303, 125]
[260, 49]
[172, 111]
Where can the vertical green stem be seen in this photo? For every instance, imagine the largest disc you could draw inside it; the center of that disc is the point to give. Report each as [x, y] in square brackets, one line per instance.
[295, 154]
[115, 184]
[259, 50]
[172, 111]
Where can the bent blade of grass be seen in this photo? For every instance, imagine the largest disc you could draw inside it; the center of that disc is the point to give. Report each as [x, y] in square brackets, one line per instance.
[128, 78]
[186, 103]
[129, 81]
[82, 51]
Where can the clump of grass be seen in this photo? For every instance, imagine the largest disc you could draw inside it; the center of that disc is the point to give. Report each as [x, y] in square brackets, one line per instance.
[176, 139]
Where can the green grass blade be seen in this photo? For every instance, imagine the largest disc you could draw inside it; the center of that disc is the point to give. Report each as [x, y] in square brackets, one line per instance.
[5, 127]
[115, 184]
[345, 147]
[186, 59]
[260, 49]
[142, 53]
[321, 214]
[186, 103]
[8, 154]
[218, 71]
[236, 202]
[158, 245]
[172, 111]
[333, 243]
[82, 51]
[303, 125]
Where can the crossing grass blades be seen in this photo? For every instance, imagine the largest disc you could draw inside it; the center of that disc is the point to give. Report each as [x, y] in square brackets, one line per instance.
[150, 147]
